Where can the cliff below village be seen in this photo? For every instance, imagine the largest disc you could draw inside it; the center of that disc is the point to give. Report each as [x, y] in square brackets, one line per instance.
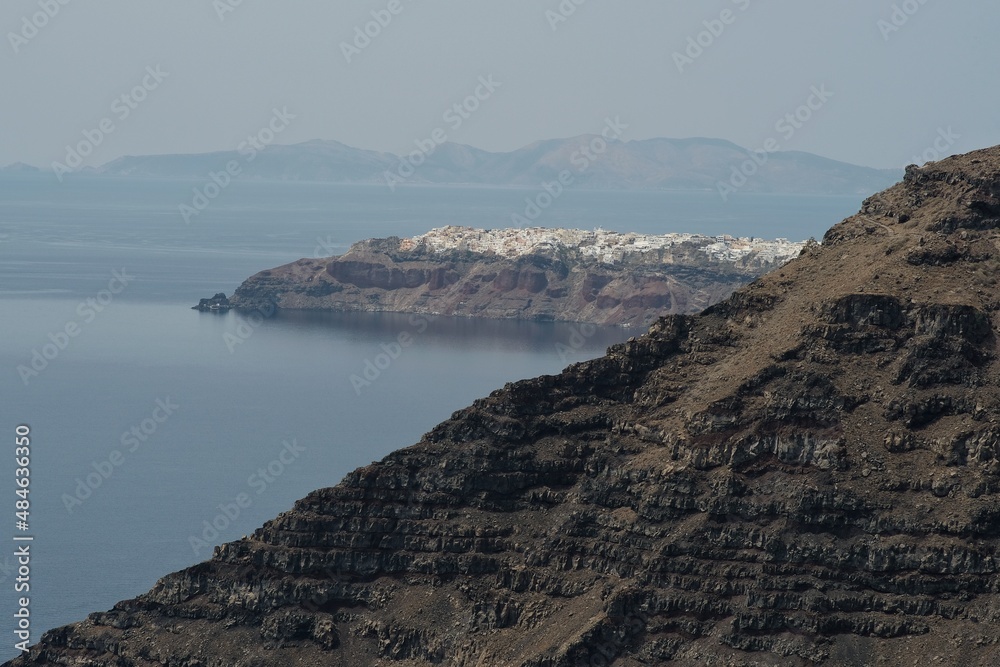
[537, 274]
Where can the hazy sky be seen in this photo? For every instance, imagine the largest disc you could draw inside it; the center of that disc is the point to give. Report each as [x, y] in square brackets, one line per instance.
[893, 92]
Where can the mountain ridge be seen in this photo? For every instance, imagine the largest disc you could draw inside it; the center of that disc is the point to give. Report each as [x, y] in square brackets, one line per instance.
[805, 473]
[685, 164]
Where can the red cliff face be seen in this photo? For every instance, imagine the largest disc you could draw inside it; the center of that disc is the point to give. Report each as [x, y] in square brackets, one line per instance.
[379, 276]
[369, 275]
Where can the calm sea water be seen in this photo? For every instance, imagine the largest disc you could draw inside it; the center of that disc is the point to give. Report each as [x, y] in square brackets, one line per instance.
[154, 421]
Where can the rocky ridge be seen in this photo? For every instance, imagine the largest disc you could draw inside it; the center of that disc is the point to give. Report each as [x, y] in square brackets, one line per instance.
[807, 473]
[598, 277]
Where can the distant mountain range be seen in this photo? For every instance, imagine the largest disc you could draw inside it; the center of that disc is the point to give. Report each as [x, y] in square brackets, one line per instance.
[650, 164]
[20, 168]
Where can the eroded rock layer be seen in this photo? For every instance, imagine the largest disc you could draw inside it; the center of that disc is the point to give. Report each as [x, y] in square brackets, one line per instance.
[806, 473]
[625, 283]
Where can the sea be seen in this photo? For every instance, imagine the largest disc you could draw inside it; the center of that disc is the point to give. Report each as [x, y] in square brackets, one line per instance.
[158, 432]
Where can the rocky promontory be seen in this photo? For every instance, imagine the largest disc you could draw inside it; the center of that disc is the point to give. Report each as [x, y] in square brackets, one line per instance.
[598, 277]
[806, 473]
[217, 303]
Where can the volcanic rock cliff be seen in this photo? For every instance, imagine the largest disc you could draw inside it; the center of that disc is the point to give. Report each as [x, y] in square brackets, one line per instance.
[537, 274]
[805, 473]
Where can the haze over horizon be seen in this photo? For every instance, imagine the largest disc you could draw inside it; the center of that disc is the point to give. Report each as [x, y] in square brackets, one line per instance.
[403, 151]
[211, 73]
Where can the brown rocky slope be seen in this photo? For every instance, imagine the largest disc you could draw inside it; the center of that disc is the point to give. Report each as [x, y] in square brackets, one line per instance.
[553, 283]
[806, 473]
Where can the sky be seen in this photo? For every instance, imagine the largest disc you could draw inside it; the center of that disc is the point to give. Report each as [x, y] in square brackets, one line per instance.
[872, 82]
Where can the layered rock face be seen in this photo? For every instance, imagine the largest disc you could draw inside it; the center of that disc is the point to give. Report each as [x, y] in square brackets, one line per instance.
[567, 275]
[807, 473]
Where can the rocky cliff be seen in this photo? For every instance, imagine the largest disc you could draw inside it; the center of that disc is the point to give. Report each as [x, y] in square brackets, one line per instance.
[806, 473]
[538, 274]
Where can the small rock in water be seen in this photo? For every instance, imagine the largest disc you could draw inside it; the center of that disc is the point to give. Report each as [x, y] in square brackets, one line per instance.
[219, 302]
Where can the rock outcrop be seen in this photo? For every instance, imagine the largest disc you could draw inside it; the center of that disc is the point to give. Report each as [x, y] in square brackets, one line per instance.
[536, 274]
[217, 303]
[807, 473]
